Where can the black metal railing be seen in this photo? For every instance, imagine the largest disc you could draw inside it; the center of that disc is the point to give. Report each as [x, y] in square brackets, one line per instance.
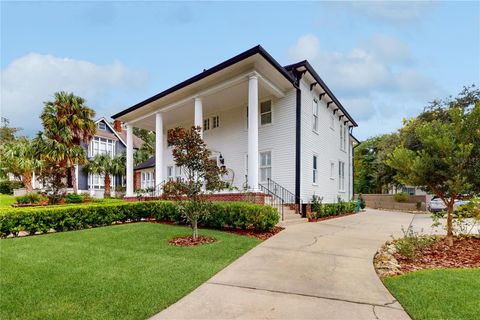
[274, 200]
[288, 197]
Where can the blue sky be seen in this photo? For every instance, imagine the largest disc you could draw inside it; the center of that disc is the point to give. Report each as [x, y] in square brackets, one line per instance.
[383, 60]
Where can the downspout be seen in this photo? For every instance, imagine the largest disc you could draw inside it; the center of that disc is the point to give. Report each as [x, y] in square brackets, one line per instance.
[298, 134]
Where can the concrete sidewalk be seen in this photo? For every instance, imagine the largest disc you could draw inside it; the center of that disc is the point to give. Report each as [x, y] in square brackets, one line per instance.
[318, 270]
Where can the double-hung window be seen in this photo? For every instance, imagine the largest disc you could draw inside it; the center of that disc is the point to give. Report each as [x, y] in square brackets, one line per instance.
[265, 166]
[206, 124]
[332, 122]
[215, 122]
[315, 116]
[315, 170]
[147, 180]
[266, 112]
[170, 172]
[102, 145]
[341, 175]
[342, 140]
[102, 126]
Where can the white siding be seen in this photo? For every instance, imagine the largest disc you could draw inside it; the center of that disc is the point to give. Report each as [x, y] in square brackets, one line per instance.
[230, 139]
[326, 145]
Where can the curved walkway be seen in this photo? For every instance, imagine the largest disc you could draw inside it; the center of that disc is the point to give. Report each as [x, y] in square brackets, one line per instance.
[318, 270]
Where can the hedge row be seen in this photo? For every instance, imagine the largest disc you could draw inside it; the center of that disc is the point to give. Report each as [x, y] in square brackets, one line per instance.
[76, 217]
[332, 209]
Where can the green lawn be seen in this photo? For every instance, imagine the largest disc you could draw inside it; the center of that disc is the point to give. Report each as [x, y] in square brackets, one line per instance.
[438, 294]
[117, 272]
[6, 200]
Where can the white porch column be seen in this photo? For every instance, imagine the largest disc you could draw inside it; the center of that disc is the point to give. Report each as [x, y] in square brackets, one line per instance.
[129, 192]
[253, 132]
[198, 119]
[158, 148]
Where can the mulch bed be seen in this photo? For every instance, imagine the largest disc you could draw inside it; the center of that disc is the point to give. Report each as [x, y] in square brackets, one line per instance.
[187, 241]
[465, 253]
[332, 217]
[262, 235]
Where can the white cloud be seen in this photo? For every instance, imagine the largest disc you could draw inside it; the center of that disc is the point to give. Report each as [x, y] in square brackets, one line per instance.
[375, 81]
[32, 79]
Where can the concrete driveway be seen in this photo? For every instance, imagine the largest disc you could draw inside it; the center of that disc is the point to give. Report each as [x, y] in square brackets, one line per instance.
[317, 270]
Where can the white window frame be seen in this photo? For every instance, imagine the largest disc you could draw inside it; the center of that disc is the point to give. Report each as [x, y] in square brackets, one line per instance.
[332, 122]
[315, 169]
[315, 111]
[100, 145]
[342, 134]
[102, 125]
[332, 170]
[265, 113]
[206, 124]
[341, 176]
[215, 122]
[147, 179]
[267, 167]
[97, 181]
[170, 172]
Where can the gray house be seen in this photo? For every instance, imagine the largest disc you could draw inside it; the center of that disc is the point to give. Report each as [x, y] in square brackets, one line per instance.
[108, 139]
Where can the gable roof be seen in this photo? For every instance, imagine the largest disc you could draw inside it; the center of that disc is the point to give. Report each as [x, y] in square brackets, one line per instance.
[114, 135]
[149, 163]
[227, 63]
[325, 88]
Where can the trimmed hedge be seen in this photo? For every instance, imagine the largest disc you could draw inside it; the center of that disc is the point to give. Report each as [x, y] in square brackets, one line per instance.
[76, 217]
[333, 209]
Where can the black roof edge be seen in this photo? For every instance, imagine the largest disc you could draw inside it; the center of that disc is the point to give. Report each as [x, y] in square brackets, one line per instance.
[242, 56]
[312, 71]
[354, 138]
[149, 163]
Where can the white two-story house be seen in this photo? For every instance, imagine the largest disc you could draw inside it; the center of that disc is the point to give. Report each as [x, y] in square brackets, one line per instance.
[274, 127]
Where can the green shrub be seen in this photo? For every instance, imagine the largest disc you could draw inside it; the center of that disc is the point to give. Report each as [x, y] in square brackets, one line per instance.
[29, 198]
[411, 243]
[317, 206]
[74, 217]
[7, 186]
[73, 198]
[401, 197]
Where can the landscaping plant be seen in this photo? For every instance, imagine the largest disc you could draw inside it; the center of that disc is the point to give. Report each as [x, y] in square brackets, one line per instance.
[202, 174]
[401, 197]
[439, 150]
[107, 167]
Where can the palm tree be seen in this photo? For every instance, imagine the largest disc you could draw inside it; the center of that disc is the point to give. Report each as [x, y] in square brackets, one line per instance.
[18, 158]
[68, 121]
[104, 165]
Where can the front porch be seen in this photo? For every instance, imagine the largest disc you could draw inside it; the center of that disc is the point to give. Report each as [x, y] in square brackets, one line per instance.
[230, 114]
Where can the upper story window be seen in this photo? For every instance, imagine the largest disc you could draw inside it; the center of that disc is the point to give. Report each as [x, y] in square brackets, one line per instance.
[315, 170]
[315, 116]
[341, 175]
[342, 137]
[206, 124]
[100, 145]
[332, 122]
[265, 166]
[215, 122]
[102, 126]
[266, 112]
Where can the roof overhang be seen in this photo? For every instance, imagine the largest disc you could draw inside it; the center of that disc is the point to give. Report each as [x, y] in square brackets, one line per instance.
[304, 66]
[255, 59]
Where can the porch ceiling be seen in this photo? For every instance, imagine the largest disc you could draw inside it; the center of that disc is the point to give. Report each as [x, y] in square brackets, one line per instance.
[228, 98]
[220, 76]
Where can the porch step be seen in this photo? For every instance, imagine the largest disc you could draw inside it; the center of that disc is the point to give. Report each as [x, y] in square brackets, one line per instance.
[290, 217]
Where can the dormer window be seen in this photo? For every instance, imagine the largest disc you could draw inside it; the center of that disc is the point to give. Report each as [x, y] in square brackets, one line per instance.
[102, 126]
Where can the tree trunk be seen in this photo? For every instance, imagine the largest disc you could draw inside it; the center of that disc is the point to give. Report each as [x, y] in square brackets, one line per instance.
[195, 229]
[27, 180]
[73, 174]
[450, 223]
[106, 192]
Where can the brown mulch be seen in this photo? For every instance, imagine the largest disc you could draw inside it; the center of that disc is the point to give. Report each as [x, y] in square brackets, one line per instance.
[262, 235]
[333, 217]
[187, 241]
[465, 253]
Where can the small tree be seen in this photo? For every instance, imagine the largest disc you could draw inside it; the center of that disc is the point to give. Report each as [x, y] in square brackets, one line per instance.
[18, 157]
[105, 165]
[201, 174]
[439, 161]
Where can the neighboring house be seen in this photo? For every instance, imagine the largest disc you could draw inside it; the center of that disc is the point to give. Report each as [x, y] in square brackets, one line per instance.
[276, 127]
[411, 190]
[108, 139]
